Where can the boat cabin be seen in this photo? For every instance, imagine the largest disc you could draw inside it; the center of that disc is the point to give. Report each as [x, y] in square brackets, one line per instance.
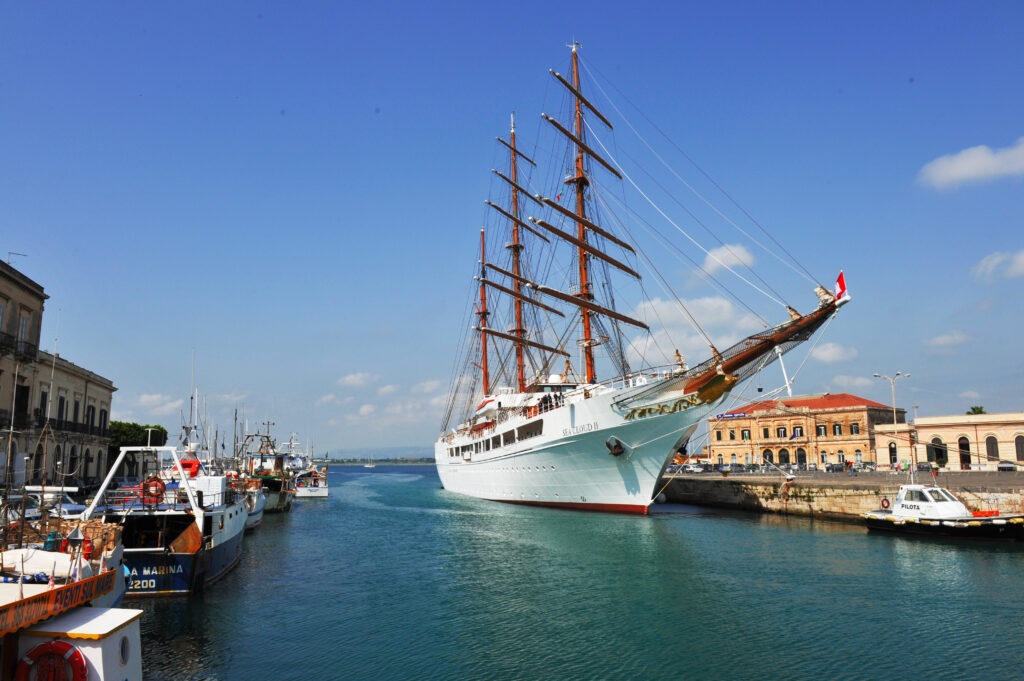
[922, 501]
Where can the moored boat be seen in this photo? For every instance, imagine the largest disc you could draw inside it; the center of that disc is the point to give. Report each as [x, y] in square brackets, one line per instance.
[182, 528]
[930, 510]
[255, 503]
[562, 438]
[267, 465]
[311, 483]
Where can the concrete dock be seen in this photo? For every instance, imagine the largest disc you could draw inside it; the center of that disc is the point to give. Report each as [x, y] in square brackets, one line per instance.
[838, 496]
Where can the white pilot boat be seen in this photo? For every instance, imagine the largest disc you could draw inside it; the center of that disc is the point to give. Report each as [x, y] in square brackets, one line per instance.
[929, 510]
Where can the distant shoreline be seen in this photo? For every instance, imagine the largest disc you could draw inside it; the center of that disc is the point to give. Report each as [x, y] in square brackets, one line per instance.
[382, 462]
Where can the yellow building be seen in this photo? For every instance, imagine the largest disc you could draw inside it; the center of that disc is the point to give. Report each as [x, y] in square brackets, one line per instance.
[978, 442]
[54, 414]
[810, 431]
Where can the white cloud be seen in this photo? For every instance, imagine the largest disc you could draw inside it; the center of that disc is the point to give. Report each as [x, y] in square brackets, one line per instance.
[1006, 265]
[727, 256]
[976, 164]
[426, 387]
[358, 380]
[833, 352]
[852, 381]
[386, 389]
[329, 398]
[367, 409]
[119, 415]
[946, 340]
[168, 408]
[969, 395]
[153, 400]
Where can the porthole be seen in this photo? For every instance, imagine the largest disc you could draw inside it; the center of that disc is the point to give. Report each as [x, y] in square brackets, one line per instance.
[125, 650]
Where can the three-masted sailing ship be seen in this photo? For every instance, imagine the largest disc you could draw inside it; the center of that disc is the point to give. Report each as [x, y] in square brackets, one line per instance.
[553, 437]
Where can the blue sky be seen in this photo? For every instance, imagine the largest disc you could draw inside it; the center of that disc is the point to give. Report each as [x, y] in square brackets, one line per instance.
[294, 190]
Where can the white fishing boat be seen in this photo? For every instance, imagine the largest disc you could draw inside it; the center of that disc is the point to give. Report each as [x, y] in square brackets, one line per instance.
[268, 466]
[515, 430]
[255, 503]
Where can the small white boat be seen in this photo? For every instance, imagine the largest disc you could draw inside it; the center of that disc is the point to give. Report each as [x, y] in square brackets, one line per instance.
[922, 509]
[255, 502]
[311, 483]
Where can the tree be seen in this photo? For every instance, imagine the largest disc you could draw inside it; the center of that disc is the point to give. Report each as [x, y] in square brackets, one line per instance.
[976, 410]
[128, 434]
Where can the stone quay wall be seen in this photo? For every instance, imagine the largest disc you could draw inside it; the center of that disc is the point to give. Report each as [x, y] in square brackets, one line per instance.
[838, 496]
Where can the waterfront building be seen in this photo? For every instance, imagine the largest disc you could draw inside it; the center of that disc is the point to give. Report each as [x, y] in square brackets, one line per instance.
[817, 429]
[977, 442]
[39, 389]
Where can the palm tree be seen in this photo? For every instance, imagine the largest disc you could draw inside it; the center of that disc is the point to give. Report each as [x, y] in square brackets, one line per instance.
[976, 410]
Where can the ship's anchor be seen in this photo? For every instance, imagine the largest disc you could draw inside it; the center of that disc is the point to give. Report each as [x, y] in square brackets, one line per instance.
[615, 446]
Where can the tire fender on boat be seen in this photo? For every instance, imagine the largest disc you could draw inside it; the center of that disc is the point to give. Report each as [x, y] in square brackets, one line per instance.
[885, 502]
[64, 651]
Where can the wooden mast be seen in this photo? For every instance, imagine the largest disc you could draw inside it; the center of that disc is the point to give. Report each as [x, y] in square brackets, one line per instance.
[517, 248]
[580, 182]
[483, 317]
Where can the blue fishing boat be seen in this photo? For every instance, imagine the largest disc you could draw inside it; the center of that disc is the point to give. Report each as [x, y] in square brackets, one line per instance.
[182, 526]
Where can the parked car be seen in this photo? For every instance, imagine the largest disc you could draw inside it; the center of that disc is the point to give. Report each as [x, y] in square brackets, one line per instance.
[59, 505]
[693, 468]
[924, 466]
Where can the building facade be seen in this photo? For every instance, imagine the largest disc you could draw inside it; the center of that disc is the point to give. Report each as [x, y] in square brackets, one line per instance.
[979, 442]
[803, 430]
[54, 413]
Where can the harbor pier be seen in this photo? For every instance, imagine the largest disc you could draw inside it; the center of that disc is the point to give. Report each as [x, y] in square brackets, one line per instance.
[837, 496]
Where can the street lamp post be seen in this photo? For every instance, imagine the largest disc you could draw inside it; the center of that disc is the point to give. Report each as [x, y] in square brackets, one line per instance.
[892, 384]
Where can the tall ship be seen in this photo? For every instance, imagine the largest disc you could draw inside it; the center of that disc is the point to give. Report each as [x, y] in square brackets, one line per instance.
[523, 425]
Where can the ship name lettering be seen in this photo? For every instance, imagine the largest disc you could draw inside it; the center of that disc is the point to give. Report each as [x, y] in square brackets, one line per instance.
[584, 428]
[914, 506]
[682, 404]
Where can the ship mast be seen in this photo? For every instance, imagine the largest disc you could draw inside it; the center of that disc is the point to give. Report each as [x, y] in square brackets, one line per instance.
[482, 312]
[517, 249]
[580, 182]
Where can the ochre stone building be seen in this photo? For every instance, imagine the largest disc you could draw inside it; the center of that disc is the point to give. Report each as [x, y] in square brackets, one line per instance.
[803, 430]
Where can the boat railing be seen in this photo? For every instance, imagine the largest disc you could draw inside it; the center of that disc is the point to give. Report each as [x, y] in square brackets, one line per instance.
[172, 499]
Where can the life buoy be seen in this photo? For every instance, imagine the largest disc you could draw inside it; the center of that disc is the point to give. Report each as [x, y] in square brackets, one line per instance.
[50, 655]
[153, 490]
[885, 502]
[65, 547]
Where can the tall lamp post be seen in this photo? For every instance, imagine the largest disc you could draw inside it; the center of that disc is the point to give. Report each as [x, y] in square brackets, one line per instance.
[892, 384]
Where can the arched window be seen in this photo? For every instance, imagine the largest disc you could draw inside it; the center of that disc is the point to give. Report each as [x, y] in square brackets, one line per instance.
[767, 456]
[100, 463]
[72, 462]
[747, 459]
[963, 445]
[992, 448]
[783, 456]
[720, 460]
[801, 456]
[824, 456]
[858, 456]
[936, 451]
[37, 463]
[842, 457]
[892, 452]
[85, 465]
[1018, 443]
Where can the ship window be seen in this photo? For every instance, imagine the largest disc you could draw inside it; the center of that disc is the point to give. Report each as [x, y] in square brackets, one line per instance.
[496, 441]
[934, 495]
[992, 448]
[915, 495]
[509, 437]
[531, 429]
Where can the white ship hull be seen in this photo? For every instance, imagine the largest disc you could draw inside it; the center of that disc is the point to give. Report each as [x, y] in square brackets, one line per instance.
[311, 492]
[570, 463]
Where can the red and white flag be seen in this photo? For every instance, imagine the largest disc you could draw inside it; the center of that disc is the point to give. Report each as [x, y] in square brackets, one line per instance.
[840, 289]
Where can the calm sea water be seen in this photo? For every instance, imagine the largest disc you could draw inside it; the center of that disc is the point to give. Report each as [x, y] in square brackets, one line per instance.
[394, 578]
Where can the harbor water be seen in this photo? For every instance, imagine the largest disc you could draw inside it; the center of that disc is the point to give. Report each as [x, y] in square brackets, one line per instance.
[394, 578]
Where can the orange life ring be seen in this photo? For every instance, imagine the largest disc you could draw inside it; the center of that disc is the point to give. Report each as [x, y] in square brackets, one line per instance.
[65, 547]
[62, 651]
[153, 490]
[885, 502]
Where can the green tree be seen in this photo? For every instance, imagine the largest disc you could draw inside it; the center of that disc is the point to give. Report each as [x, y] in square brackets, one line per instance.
[128, 434]
[976, 410]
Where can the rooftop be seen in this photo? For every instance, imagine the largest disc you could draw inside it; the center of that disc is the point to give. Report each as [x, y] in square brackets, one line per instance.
[818, 401]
